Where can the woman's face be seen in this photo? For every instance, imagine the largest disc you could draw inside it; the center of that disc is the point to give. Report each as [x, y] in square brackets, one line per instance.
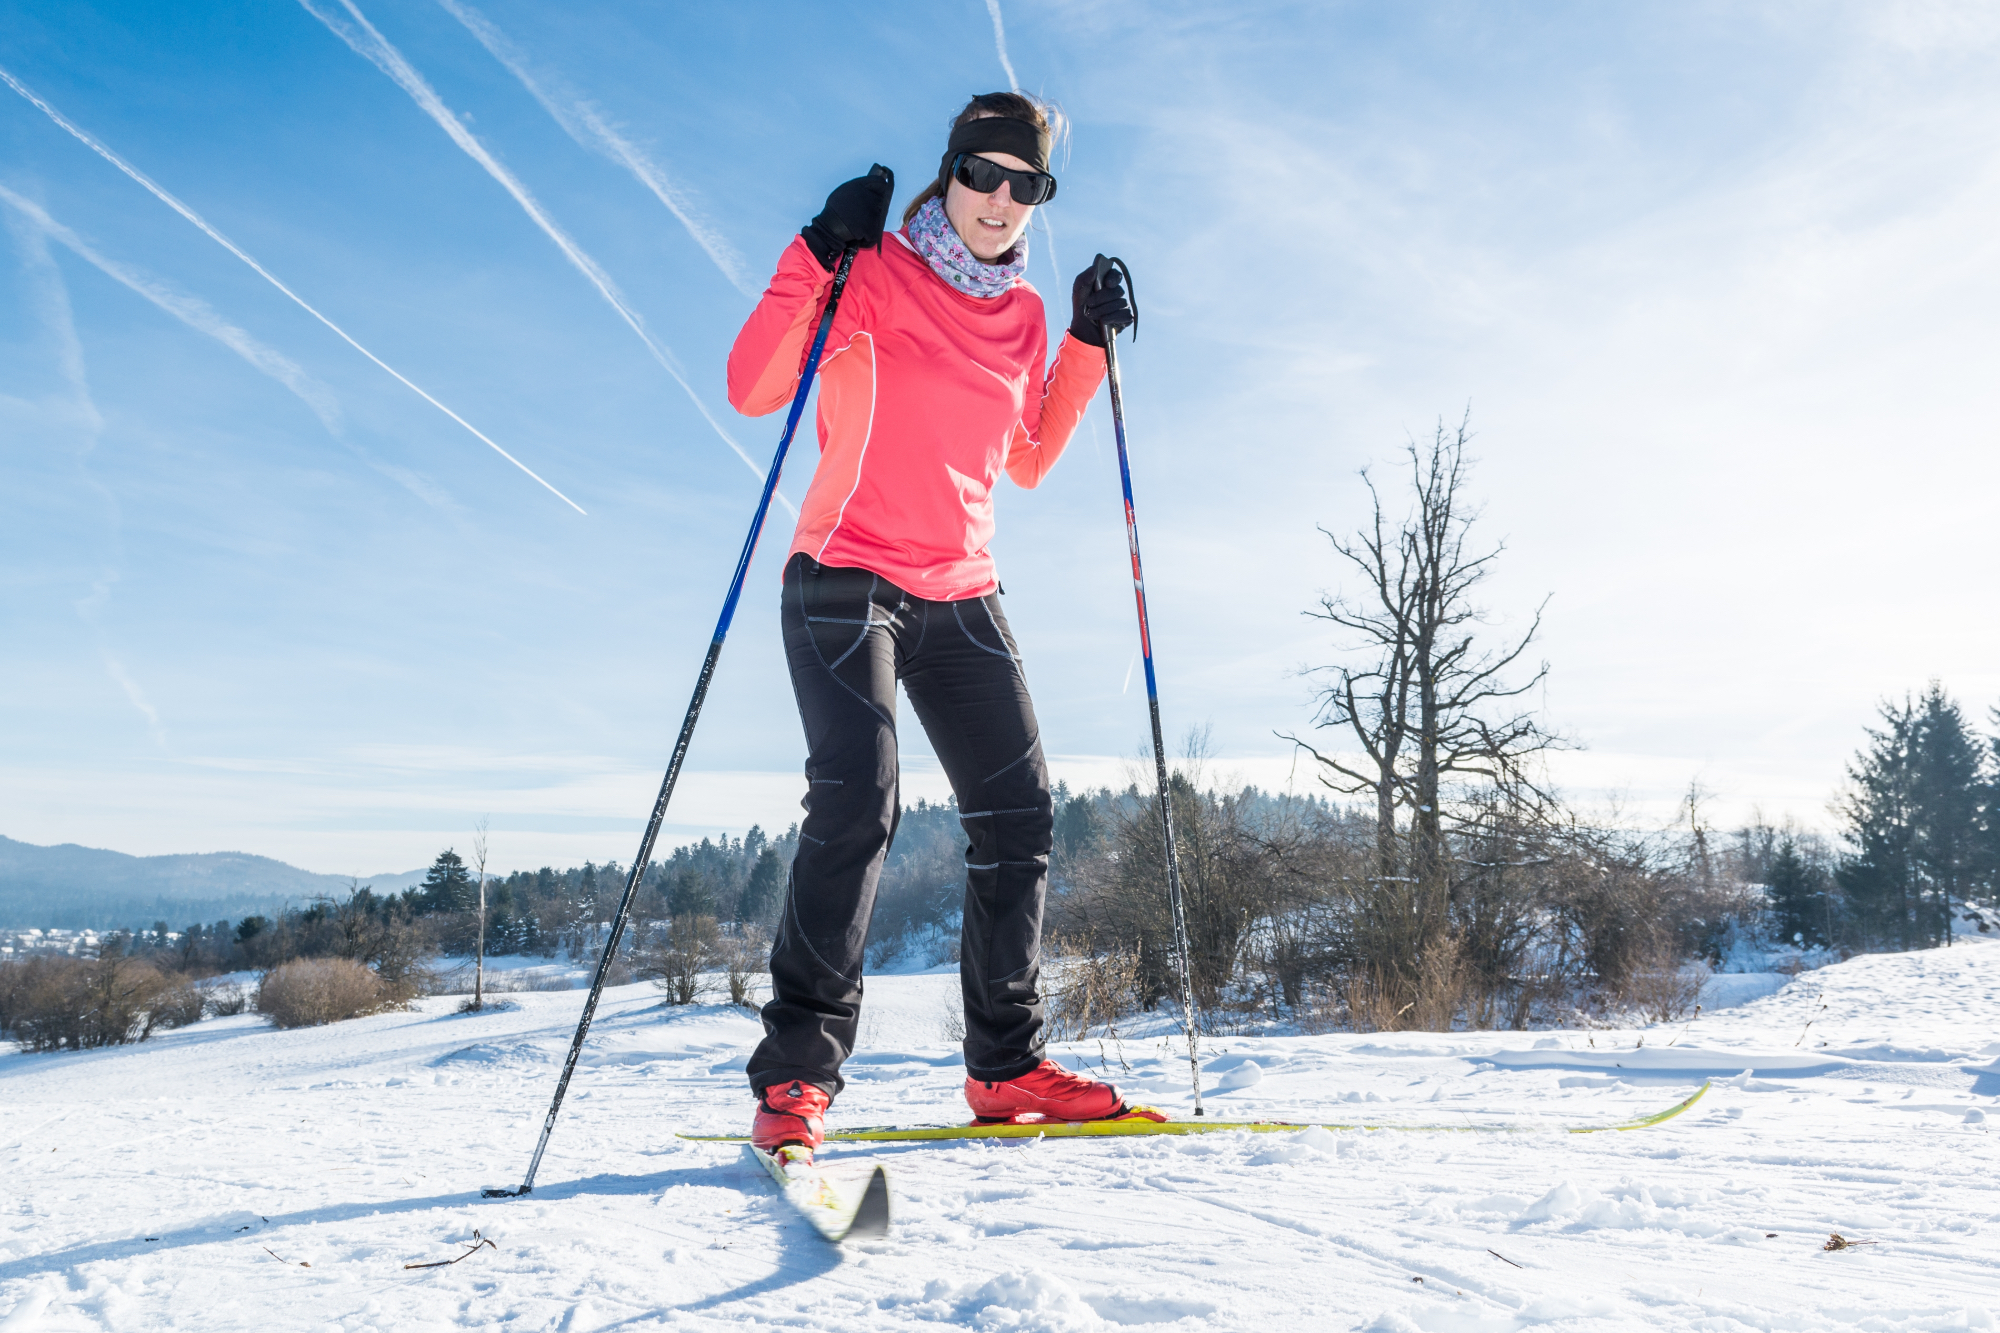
[989, 224]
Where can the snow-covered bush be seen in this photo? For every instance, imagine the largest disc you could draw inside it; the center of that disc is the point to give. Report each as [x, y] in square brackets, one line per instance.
[310, 991]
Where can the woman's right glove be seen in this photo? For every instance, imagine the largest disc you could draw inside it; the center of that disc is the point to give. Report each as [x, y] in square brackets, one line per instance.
[854, 215]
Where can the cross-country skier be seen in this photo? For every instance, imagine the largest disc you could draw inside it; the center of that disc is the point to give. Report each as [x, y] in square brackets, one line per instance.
[934, 380]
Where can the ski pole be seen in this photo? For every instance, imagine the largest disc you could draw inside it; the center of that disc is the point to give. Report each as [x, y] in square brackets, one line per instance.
[1175, 897]
[645, 856]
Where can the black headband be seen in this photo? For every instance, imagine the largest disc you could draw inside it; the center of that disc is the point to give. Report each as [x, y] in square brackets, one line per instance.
[997, 134]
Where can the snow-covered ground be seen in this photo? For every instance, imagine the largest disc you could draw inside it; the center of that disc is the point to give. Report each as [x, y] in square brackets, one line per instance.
[228, 1176]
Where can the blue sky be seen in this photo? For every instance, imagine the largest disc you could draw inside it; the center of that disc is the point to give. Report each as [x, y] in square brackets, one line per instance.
[1717, 282]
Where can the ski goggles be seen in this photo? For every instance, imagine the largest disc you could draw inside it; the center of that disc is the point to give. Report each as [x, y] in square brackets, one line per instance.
[982, 175]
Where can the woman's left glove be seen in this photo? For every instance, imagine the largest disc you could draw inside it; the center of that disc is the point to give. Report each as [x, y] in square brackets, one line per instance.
[1093, 308]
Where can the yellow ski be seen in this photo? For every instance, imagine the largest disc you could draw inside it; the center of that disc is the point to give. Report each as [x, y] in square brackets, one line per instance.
[1106, 1129]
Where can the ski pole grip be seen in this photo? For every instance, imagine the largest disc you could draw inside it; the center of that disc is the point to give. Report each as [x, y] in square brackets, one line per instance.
[1098, 268]
[882, 173]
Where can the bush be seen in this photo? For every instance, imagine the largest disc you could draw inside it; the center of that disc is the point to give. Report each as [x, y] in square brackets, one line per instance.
[1087, 985]
[226, 1000]
[180, 1004]
[74, 1004]
[309, 991]
[677, 958]
[745, 956]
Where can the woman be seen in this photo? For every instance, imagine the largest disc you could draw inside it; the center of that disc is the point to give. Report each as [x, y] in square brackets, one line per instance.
[933, 381]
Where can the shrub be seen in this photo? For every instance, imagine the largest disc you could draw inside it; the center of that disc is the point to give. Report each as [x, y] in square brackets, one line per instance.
[180, 1004]
[74, 1004]
[226, 1000]
[678, 957]
[310, 991]
[745, 956]
[1087, 984]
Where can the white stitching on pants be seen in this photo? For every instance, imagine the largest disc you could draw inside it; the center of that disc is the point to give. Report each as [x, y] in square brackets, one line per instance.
[1029, 751]
[813, 639]
[792, 910]
[862, 637]
[997, 652]
[983, 606]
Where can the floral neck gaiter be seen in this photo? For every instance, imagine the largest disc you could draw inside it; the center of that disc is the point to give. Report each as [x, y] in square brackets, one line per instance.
[932, 236]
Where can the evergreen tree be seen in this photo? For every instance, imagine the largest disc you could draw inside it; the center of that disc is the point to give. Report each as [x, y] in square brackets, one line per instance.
[1913, 817]
[1800, 905]
[764, 893]
[447, 886]
[1949, 845]
[691, 895]
[1076, 831]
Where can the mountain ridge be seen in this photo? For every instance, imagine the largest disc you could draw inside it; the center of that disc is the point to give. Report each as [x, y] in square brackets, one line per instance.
[70, 886]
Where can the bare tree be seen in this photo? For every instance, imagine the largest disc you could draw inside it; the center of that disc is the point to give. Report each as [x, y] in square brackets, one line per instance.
[479, 949]
[1423, 699]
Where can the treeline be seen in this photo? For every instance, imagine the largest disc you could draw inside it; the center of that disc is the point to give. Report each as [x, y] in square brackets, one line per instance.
[337, 957]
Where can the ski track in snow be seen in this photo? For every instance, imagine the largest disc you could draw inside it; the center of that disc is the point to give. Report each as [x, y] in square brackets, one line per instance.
[229, 1176]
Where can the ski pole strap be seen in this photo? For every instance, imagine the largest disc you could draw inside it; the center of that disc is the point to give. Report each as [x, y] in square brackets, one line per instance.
[1101, 266]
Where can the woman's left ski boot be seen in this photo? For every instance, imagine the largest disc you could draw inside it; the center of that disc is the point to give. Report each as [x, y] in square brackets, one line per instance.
[1050, 1092]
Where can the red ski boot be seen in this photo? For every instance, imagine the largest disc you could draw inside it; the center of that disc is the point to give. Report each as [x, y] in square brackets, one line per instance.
[790, 1113]
[1050, 1092]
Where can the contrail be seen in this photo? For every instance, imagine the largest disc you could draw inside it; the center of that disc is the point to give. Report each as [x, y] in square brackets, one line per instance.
[375, 48]
[1000, 43]
[203, 318]
[60, 322]
[192, 311]
[104, 152]
[583, 122]
[1006, 65]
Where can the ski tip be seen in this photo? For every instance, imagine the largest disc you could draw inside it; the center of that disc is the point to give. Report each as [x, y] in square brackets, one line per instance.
[871, 1219]
[504, 1191]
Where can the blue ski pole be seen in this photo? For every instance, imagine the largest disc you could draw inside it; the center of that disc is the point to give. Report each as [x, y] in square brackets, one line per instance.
[645, 856]
[1175, 897]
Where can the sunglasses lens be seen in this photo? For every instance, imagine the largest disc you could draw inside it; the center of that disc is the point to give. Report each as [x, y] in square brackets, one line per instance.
[984, 177]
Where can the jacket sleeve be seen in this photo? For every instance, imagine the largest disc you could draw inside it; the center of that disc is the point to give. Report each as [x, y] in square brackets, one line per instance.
[1046, 427]
[770, 352]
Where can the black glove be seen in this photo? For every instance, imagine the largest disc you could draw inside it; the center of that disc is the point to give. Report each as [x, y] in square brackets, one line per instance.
[1095, 305]
[853, 215]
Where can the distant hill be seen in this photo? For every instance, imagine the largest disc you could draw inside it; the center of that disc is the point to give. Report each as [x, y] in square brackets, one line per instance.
[76, 888]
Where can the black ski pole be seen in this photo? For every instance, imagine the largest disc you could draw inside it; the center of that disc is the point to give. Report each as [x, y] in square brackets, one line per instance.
[1174, 894]
[645, 856]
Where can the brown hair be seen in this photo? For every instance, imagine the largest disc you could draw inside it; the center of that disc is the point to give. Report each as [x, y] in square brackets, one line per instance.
[1015, 106]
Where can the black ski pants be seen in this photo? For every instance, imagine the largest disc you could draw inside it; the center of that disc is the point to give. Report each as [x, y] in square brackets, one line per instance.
[849, 637]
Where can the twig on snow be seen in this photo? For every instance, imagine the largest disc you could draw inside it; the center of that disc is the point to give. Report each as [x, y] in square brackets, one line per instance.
[1817, 995]
[1839, 1242]
[1504, 1259]
[479, 1242]
[281, 1259]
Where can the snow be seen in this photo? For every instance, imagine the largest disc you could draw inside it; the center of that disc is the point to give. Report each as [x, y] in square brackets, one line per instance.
[230, 1176]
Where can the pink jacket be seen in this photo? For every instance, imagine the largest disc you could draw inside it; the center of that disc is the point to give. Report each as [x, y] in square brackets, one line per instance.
[925, 394]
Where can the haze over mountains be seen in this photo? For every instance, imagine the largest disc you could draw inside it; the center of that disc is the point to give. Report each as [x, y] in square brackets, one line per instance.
[75, 888]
